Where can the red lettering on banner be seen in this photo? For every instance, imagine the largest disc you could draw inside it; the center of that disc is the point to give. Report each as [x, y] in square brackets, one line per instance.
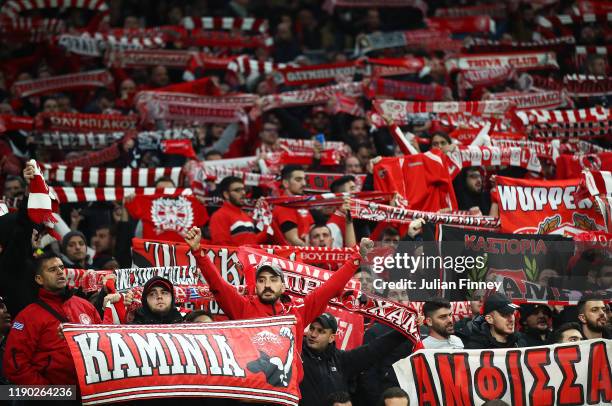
[535, 360]
[569, 392]
[600, 382]
[489, 380]
[455, 378]
[425, 387]
[517, 381]
[502, 246]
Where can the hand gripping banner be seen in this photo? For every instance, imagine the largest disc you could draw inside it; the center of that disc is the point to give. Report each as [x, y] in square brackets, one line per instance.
[576, 373]
[246, 360]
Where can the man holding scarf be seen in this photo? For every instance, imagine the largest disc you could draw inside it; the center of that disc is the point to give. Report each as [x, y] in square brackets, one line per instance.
[270, 287]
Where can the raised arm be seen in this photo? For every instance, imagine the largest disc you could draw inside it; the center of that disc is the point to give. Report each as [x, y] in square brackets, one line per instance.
[317, 300]
[230, 301]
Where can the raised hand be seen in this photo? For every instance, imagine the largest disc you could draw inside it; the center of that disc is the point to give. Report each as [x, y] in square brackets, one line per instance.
[193, 237]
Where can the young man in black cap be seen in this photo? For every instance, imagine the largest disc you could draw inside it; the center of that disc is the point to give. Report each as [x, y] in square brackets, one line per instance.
[158, 305]
[535, 319]
[496, 328]
[328, 369]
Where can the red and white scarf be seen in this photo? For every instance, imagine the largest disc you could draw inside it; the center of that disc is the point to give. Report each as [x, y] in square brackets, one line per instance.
[545, 99]
[399, 110]
[315, 74]
[330, 5]
[226, 23]
[40, 205]
[187, 108]
[96, 158]
[80, 122]
[587, 85]
[9, 122]
[592, 114]
[347, 105]
[471, 79]
[599, 186]
[96, 45]
[29, 29]
[395, 89]
[138, 58]
[110, 194]
[488, 45]
[318, 95]
[222, 39]
[482, 24]
[64, 140]
[549, 25]
[71, 81]
[13, 8]
[96, 176]
[517, 60]
[379, 212]
[497, 10]
[394, 39]
[466, 156]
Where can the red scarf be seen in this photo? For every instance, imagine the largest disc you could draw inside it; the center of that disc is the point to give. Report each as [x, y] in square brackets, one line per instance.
[54, 84]
[40, 206]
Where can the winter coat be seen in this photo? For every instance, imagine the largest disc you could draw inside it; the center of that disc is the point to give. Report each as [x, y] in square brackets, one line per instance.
[329, 371]
[35, 353]
[481, 337]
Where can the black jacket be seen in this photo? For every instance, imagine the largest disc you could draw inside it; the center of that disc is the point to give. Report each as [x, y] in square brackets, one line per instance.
[145, 316]
[532, 338]
[17, 284]
[330, 371]
[380, 376]
[481, 337]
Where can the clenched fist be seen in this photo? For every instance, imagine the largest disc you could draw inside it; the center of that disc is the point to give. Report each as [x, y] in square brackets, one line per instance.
[193, 237]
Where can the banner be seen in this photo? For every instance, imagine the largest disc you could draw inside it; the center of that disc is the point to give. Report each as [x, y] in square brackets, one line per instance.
[245, 360]
[576, 373]
[541, 259]
[544, 207]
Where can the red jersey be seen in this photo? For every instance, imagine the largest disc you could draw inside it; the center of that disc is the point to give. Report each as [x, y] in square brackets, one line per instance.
[231, 226]
[165, 217]
[286, 218]
[423, 179]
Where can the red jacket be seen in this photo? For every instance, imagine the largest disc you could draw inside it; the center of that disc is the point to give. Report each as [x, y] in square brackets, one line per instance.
[35, 353]
[231, 226]
[237, 306]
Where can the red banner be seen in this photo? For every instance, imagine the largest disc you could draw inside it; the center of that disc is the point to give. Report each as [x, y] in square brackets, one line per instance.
[544, 207]
[246, 360]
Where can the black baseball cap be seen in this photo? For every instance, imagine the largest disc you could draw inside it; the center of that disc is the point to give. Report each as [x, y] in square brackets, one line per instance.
[270, 267]
[328, 320]
[528, 309]
[499, 302]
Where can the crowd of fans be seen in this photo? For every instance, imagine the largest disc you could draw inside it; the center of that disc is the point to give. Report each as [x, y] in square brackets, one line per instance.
[35, 297]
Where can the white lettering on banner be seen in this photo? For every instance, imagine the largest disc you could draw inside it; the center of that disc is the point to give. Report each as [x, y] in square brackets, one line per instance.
[538, 198]
[156, 351]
